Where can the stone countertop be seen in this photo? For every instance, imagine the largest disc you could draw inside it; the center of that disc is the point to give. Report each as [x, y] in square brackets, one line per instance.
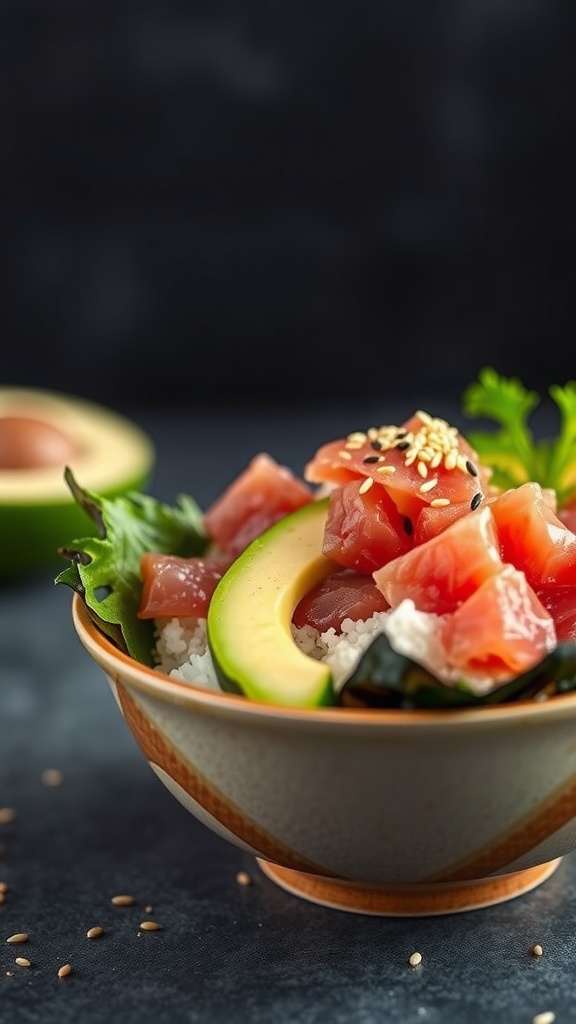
[251, 954]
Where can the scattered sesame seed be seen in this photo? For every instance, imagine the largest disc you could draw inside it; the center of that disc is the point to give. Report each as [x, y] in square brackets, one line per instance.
[150, 926]
[149, 909]
[439, 502]
[376, 445]
[65, 970]
[471, 468]
[548, 1017]
[476, 501]
[7, 815]
[403, 446]
[365, 485]
[422, 468]
[17, 937]
[386, 470]
[415, 959]
[537, 949]
[243, 878]
[344, 454]
[52, 777]
[372, 458]
[428, 485]
[22, 961]
[123, 901]
[94, 933]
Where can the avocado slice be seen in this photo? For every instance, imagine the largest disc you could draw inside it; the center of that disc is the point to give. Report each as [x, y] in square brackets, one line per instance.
[250, 614]
[109, 454]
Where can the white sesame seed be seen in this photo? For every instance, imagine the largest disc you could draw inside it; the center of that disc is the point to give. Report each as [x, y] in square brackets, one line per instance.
[243, 878]
[344, 454]
[439, 502]
[17, 938]
[123, 901]
[22, 961]
[537, 949]
[548, 1017]
[65, 970]
[95, 932]
[52, 777]
[422, 468]
[366, 485]
[415, 959]
[386, 470]
[150, 926]
[428, 485]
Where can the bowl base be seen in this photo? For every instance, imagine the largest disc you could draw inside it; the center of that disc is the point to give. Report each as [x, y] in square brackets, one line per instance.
[408, 901]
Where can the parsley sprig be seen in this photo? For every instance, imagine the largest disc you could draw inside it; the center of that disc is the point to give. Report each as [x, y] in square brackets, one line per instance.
[513, 453]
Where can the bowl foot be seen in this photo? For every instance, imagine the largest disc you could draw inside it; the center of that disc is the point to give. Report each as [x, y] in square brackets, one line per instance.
[408, 901]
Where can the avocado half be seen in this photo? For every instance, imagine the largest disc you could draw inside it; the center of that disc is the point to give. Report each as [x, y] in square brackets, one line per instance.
[250, 614]
[109, 454]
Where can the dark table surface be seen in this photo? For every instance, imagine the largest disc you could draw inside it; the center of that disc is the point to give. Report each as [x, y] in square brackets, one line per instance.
[226, 952]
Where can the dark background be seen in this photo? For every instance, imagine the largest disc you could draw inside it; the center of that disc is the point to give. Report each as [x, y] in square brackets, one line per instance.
[296, 200]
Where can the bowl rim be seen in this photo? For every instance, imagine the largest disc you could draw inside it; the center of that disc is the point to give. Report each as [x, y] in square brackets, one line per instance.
[153, 683]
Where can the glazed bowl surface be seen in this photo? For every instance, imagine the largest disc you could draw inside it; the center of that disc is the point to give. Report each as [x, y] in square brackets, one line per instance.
[400, 813]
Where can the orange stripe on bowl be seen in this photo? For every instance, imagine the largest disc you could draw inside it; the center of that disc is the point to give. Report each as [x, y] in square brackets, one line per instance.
[158, 749]
[555, 812]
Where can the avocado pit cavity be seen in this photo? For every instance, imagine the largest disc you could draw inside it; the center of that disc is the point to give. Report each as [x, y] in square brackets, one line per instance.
[30, 443]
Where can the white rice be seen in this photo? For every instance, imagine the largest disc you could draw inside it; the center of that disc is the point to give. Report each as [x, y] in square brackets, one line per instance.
[181, 649]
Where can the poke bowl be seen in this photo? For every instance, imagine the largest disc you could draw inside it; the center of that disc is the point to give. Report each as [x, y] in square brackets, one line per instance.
[370, 778]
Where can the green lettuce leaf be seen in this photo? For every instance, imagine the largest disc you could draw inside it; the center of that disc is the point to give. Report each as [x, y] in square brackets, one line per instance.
[105, 569]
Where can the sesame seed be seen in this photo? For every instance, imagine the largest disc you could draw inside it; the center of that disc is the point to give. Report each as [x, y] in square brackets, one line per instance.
[439, 502]
[149, 909]
[386, 470]
[403, 446]
[52, 777]
[22, 961]
[150, 926]
[243, 878]
[65, 970]
[376, 445]
[471, 468]
[17, 938]
[7, 815]
[548, 1017]
[123, 901]
[422, 468]
[537, 949]
[366, 485]
[4, 887]
[344, 454]
[476, 501]
[372, 458]
[428, 485]
[415, 959]
[94, 933]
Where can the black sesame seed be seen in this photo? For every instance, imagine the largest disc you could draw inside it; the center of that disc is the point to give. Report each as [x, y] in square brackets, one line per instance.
[401, 433]
[475, 501]
[403, 446]
[372, 458]
[376, 445]
[471, 468]
[408, 525]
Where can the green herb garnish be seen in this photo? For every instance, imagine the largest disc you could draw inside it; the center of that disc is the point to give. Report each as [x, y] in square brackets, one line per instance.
[512, 452]
[105, 570]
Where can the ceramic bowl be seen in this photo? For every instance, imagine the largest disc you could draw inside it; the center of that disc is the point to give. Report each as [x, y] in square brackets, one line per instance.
[399, 813]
